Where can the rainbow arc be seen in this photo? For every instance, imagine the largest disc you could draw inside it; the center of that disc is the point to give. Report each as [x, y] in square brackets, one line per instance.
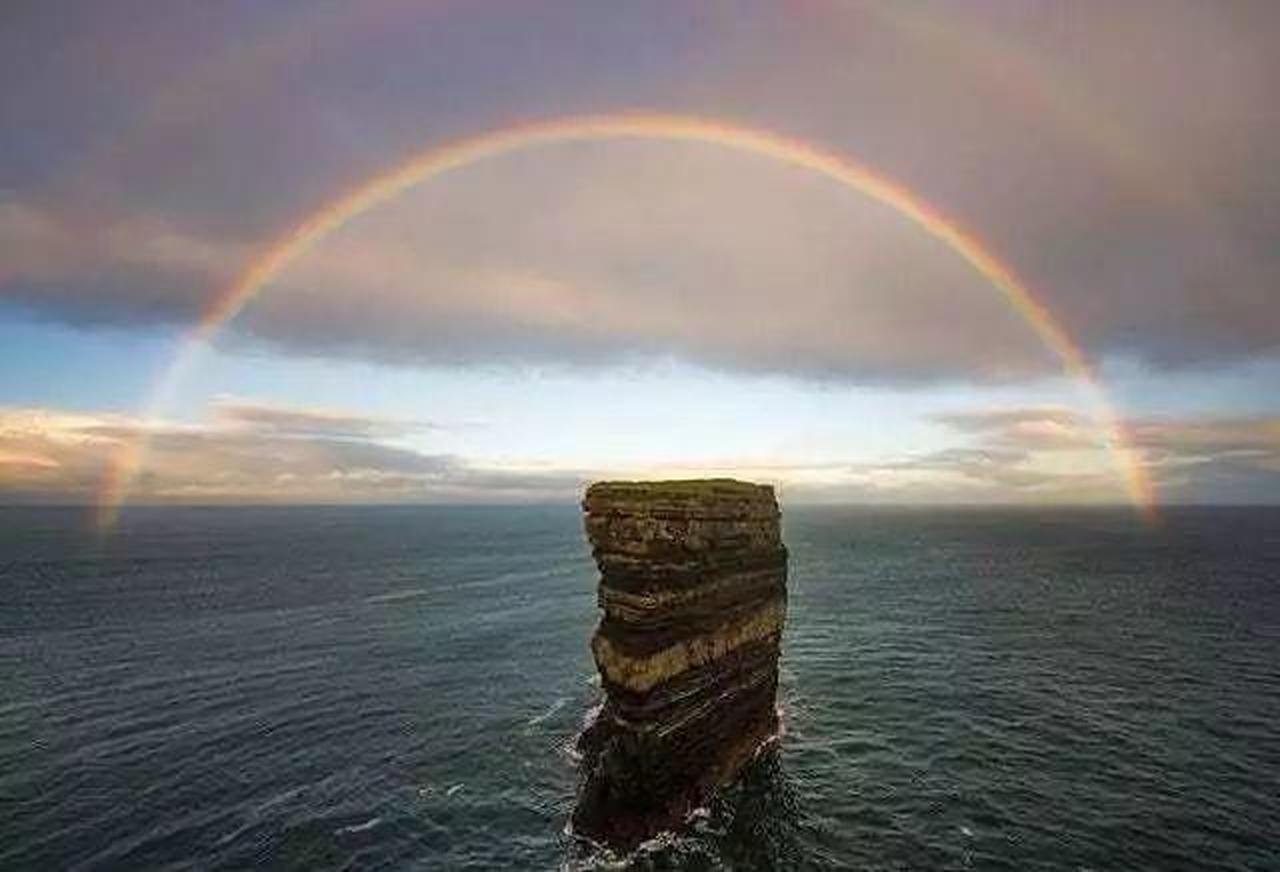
[440, 159]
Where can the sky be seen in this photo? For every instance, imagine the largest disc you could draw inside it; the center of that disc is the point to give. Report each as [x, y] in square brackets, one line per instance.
[560, 311]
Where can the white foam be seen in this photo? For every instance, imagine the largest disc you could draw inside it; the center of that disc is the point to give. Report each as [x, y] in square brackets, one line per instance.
[551, 710]
[589, 719]
[393, 596]
[358, 828]
[604, 857]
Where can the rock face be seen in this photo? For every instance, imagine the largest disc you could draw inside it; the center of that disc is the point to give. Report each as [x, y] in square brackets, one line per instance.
[693, 587]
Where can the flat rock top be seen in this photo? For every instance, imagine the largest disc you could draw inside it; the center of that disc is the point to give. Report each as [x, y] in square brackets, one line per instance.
[706, 497]
[686, 488]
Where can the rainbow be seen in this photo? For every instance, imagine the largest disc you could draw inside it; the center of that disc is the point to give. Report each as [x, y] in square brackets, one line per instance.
[440, 159]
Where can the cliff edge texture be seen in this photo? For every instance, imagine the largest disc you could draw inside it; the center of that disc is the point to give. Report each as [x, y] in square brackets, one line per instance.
[693, 588]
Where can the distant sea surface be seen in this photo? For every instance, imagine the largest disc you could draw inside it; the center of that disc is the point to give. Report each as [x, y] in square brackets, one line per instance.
[323, 688]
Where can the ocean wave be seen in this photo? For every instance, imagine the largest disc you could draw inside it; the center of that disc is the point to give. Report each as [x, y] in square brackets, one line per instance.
[358, 828]
[550, 712]
[397, 595]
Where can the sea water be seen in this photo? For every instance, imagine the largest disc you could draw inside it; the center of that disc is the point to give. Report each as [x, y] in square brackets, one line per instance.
[360, 688]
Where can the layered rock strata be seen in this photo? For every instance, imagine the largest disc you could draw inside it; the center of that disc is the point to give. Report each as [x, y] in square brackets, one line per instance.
[693, 589]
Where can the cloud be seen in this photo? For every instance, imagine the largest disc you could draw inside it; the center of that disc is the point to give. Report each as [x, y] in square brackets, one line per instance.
[1146, 229]
[251, 454]
[1206, 459]
[1225, 459]
[597, 256]
[1158, 439]
[1028, 429]
[46, 247]
[1056, 455]
[990, 471]
[1215, 436]
[275, 420]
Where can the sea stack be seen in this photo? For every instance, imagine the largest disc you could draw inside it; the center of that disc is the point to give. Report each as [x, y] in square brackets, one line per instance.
[693, 581]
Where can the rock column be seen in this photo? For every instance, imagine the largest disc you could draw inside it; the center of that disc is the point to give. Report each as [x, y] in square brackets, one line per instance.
[693, 589]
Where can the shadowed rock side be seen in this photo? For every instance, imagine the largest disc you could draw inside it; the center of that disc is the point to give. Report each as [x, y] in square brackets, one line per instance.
[693, 587]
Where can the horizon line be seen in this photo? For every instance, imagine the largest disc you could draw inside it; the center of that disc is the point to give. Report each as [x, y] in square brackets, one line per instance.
[562, 502]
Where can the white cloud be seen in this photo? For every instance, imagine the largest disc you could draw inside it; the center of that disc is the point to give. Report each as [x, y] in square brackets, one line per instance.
[260, 453]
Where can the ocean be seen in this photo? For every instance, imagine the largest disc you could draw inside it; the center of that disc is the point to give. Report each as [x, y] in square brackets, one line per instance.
[366, 688]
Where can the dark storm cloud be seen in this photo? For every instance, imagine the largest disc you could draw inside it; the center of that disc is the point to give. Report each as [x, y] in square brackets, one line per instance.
[1119, 156]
